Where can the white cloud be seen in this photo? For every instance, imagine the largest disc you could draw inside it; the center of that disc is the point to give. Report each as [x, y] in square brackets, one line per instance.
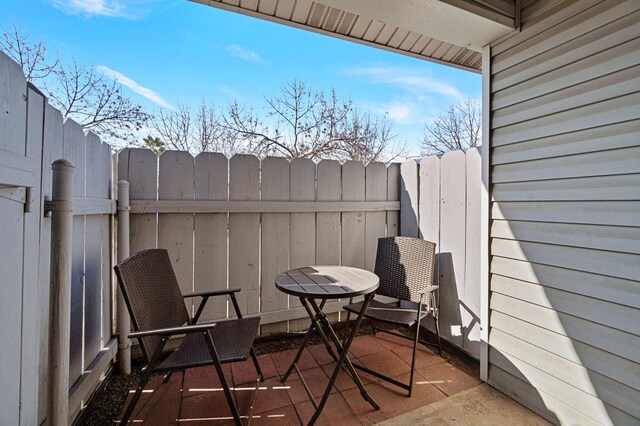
[130, 9]
[133, 85]
[408, 80]
[243, 53]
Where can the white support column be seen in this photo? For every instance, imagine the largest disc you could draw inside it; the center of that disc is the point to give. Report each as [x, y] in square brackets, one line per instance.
[124, 321]
[485, 212]
[61, 252]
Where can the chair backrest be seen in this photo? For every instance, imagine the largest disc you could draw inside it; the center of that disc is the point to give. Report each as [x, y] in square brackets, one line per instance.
[405, 266]
[152, 294]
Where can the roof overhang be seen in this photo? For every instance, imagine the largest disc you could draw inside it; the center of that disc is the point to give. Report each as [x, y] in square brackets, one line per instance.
[451, 32]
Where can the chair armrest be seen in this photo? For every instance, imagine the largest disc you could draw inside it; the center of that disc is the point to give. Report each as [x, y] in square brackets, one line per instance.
[212, 293]
[429, 289]
[186, 329]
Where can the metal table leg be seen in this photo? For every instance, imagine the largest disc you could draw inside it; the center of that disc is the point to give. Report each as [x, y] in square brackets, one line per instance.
[306, 338]
[343, 356]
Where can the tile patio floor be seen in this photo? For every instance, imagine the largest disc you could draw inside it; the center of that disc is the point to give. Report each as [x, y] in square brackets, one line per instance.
[195, 397]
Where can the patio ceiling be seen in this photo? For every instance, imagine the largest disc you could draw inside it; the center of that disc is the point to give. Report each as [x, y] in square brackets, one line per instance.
[451, 32]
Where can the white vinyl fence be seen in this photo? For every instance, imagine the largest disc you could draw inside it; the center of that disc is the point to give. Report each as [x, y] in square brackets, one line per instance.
[441, 203]
[33, 135]
[240, 222]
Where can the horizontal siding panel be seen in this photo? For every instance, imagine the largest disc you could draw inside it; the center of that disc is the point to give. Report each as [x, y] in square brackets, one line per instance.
[592, 358]
[571, 373]
[616, 290]
[621, 265]
[617, 213]
[572, 28]
[616, 110]
[611, 238]
[605, 138]
[600, 188]
[546, 15]
[516, 386]
[609, 314]
[612, 60]
[611, 162]
[588, 404]
[586, 46]
[609, 86]
[606, 338]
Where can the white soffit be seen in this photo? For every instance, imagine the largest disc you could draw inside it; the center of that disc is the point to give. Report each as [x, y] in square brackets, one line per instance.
[426, 29]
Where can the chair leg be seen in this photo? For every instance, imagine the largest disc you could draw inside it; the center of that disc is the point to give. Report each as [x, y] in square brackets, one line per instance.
[136, 396]
[257, 365]
[436, 322]
[167, 377]
[223, 380]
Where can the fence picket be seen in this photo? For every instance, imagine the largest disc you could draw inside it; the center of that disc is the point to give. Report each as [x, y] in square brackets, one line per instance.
[409, 199]
[274, 178]
[302, 226]
[452, 243]
[353, 226]
[74, 150]
[175, 231]
[471, 295]
[210, 233]
[97, 255]
[328, 224]
[140, 168]
[244, 232]
[375, 190]
[393, 194]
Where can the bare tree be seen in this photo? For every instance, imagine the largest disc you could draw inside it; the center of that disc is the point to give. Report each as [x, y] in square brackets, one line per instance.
[304, 123]
[32, 57]
[459, 128]
[366, 138]
[96, 102]
[82, 93]
[195, 131]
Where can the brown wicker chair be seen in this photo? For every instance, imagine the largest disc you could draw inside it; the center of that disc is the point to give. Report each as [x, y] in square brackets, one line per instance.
[405, 267]
[157, 309]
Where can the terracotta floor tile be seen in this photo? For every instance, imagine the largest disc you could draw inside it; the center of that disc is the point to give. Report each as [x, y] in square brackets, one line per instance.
[283, 360]
[315, 378]
[284, 416]
[336, 412]
[386, 362]
[203, 379]
[424, 356]
[320, 354]
[210, 408]
[271, 394]
[448, 378]
[365, 345]
[245, 371]
[391, 341]
[162, 405]
[344, 381]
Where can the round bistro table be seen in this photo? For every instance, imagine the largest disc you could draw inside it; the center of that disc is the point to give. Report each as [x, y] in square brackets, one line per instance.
[313, 283]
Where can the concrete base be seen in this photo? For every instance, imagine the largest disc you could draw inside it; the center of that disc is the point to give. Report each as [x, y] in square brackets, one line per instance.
[479, 406]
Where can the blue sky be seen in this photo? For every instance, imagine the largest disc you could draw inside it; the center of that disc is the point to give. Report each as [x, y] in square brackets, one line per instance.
[171, 51]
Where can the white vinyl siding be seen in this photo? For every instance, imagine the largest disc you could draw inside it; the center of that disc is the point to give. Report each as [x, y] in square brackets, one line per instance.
[564, 334]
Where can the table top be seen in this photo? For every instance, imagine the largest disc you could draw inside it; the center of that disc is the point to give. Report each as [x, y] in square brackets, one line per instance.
[327, 282]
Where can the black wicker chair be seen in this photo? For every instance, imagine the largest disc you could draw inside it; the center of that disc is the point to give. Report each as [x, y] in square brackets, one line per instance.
[405, 267]
[157, 309]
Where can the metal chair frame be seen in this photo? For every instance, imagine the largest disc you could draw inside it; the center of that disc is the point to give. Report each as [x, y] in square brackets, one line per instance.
[422, 288]
[191, 327]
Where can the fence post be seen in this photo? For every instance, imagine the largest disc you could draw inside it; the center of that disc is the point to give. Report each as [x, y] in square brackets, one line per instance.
[124, 321]
[61, 252]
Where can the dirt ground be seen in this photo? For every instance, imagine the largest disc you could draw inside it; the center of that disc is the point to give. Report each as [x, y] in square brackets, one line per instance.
[107, 403]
